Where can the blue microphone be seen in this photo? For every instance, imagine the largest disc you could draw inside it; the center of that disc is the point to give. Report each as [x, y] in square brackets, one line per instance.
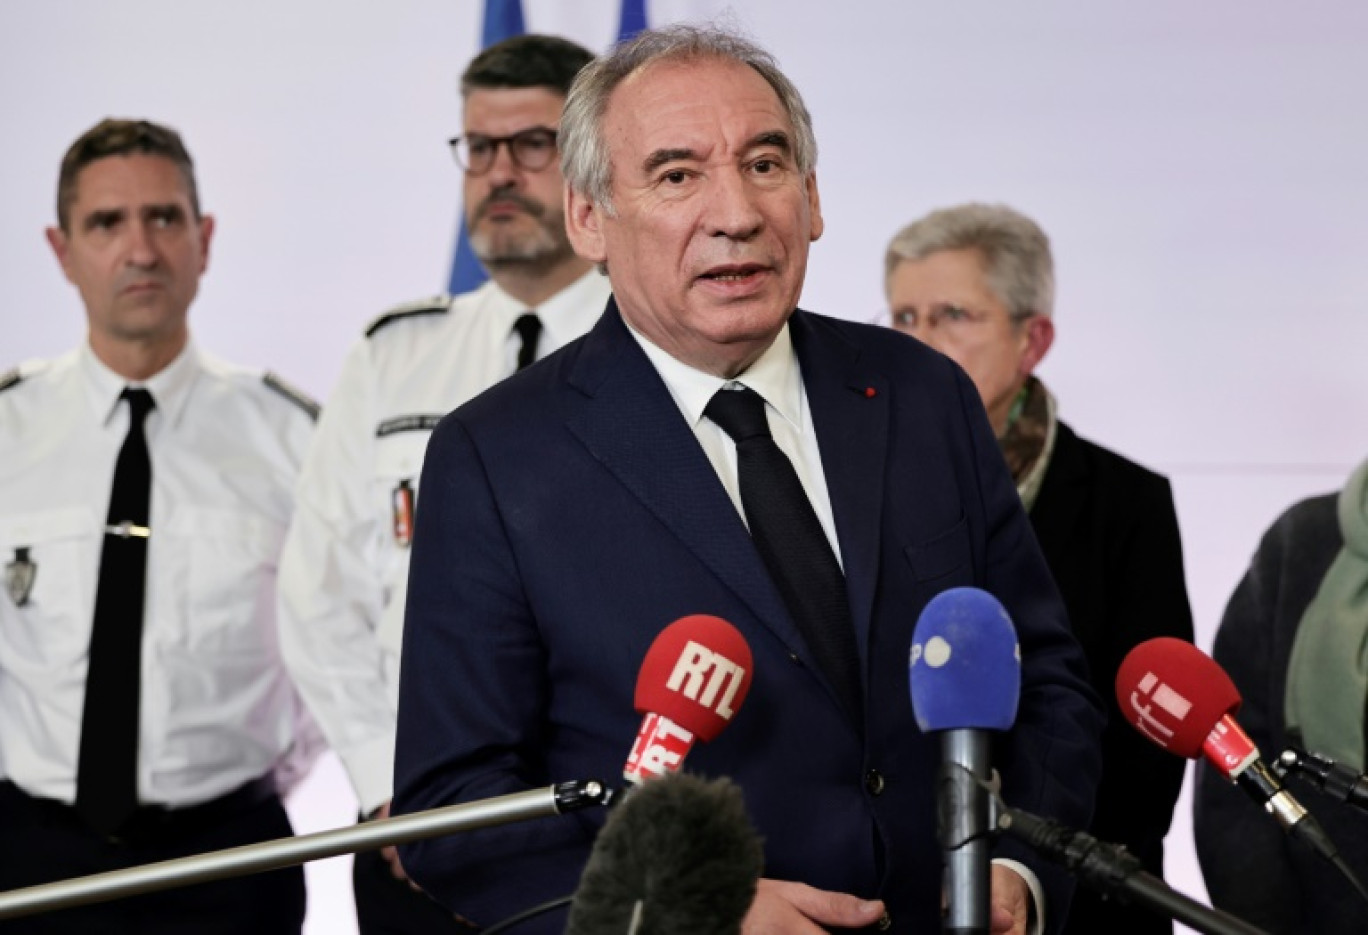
[964, 670]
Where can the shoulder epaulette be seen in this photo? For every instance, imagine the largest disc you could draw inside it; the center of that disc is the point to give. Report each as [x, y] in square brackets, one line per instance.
[10, 378]
[437, 304]
[294, 395]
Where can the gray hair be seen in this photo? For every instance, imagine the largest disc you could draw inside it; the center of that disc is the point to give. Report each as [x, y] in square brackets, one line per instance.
[1016, 252]
[584, 151]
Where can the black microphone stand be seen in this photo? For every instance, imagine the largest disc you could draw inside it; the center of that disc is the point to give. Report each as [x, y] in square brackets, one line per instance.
[1111, 869]
[965, 826]
[1334, 779]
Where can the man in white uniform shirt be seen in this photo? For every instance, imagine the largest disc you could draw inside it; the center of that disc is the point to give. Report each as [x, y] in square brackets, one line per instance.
[145, 490]
[345, 566]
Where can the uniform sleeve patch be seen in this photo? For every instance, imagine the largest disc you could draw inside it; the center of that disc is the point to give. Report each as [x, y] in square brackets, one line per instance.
[293, 394]
[437, 305]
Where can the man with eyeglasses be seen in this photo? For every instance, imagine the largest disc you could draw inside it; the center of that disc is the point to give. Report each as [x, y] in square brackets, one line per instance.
[344, 571]
[976, 282]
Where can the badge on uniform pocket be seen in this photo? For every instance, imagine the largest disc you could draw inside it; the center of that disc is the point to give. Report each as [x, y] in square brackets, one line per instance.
[19, 575]
[402, 501]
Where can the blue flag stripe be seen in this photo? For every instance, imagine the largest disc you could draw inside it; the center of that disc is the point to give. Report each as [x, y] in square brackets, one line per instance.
[632, 20]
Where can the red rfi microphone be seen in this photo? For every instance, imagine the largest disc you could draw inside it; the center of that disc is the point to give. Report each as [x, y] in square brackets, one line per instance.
[1180, 698]
[691, 684]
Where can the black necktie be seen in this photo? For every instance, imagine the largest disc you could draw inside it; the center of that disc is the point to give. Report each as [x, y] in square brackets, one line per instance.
[529, 328]
[107, 771]
[791, 540]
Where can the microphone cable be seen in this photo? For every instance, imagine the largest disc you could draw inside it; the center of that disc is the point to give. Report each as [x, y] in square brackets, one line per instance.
[527, 914]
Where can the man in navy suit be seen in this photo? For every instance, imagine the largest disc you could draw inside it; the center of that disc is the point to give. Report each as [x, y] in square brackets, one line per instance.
[576, 509]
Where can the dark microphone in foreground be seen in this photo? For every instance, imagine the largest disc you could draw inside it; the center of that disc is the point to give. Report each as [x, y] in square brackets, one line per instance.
[1336, 780]
[964, 671]
[1180, 698]
[678, 855]
[691, 684]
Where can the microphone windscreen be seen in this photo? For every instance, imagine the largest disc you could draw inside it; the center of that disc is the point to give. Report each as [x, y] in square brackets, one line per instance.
[679, 855]
[1174, 694]
[965, 665]
[696, 673]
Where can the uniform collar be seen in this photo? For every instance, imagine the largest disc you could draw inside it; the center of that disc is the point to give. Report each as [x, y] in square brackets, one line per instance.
[170, 387]
[564, 317]
[774, 376]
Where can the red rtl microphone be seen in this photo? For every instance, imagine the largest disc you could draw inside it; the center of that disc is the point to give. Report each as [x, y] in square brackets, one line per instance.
[691, 684]
[1180, 698]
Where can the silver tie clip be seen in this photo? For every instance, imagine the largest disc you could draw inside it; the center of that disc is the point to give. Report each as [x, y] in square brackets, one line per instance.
[128, 528]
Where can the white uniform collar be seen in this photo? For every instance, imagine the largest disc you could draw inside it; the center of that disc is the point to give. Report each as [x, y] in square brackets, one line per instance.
[170, 386]
[564, 317]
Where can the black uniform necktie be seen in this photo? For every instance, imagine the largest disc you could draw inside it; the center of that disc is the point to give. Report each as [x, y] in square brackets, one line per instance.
[529, 328]
[791, 540]
[107, 771]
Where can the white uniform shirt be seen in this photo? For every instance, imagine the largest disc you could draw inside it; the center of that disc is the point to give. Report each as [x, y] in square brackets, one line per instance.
[344, 571]
[217, 708]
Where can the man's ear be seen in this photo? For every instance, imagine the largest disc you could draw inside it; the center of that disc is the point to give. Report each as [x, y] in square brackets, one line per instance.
[206, 225]
[816, 224]
[57, 240]
[1039, 336]
[584, 226]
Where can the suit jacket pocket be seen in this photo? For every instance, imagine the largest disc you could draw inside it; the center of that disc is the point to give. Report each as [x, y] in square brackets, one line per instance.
[943, 554]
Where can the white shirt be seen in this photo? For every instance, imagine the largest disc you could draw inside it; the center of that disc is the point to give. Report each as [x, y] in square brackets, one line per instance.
[344, 571]
[217, 708]
[778, 379]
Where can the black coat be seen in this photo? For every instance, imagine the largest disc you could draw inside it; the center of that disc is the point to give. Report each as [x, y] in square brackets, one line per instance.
[1109, 532]
[1251, 868]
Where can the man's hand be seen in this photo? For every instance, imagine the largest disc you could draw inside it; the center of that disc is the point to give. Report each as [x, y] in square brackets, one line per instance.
[391, 854]
[1011, 902]
[785, 908]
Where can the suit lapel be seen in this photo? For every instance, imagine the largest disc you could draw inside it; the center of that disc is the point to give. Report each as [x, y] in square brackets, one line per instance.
[850, 410]
[624, 415]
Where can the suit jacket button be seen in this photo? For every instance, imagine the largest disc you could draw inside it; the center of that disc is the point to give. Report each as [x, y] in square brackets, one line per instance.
[874, 782]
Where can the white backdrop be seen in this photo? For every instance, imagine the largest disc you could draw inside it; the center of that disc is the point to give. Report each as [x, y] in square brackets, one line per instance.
[1199, 167]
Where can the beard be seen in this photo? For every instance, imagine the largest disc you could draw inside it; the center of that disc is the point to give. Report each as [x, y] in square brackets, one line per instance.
[498, 244]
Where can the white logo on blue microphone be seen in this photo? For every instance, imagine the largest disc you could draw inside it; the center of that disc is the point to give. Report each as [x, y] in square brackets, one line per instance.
[935, 652]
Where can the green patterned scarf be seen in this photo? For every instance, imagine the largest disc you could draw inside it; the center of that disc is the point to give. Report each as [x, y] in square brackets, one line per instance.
[1327, 676]
[1028, 441]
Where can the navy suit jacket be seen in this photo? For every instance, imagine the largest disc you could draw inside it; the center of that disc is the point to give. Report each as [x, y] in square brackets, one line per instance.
[569, 514]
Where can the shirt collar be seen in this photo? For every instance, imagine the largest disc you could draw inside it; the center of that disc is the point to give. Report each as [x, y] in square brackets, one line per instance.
[774, 376]
[170, 387]
[564, 317]
[573, 311]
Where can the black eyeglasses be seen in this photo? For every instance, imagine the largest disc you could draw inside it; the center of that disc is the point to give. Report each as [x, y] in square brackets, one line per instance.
[531, 150]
